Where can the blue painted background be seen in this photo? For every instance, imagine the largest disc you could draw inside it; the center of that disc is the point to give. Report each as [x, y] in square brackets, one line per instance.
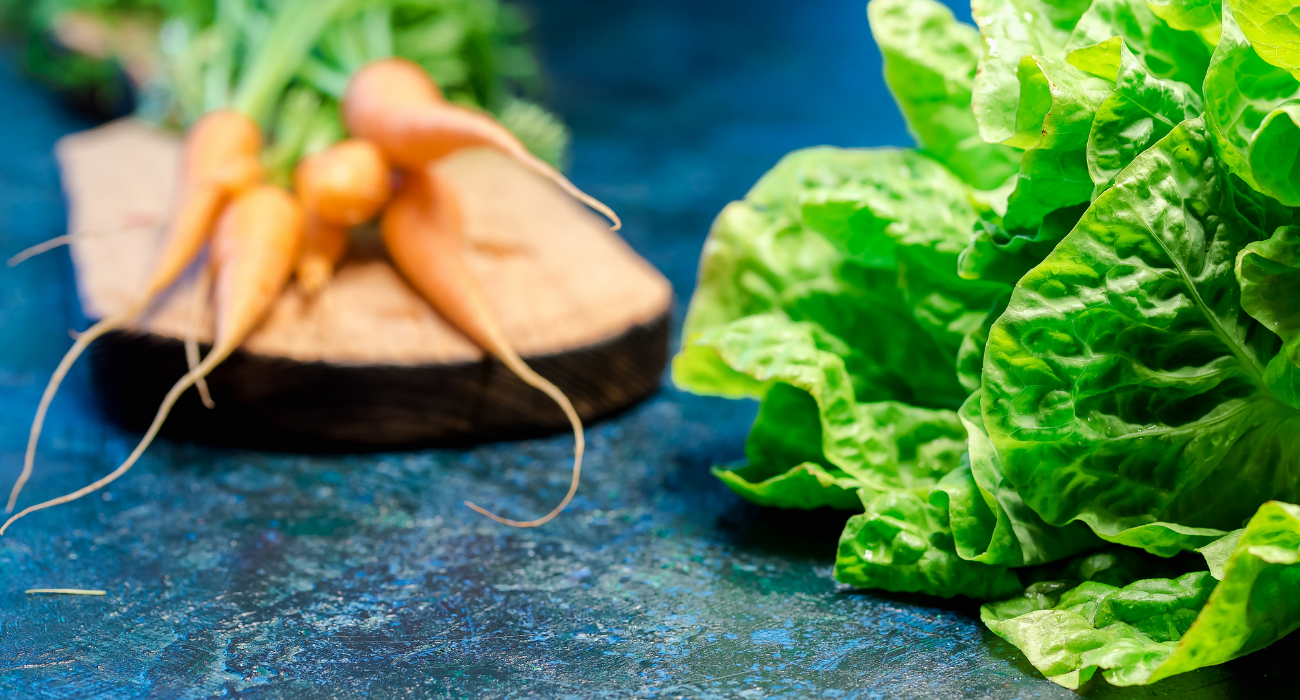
[243, 574]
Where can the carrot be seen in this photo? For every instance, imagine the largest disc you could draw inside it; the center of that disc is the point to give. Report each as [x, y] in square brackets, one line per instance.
[221, 159]
[422, 230]
[342, 186]
[323, 246]
[395, 103]
[253, 251]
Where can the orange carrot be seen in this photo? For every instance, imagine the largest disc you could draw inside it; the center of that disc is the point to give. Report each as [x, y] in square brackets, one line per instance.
[253, 251]
[323, 246]
[423, 232]
[343, 186]
[395, 103]
[221, 159]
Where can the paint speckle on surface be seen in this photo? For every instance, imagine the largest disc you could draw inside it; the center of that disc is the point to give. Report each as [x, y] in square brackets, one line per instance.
[254, 575]
[771, 637]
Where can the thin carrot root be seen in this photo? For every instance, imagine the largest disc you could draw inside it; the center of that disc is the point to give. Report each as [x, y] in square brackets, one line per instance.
[222, 158]
[544, 169]
[526, 373]
[202, 287]
[66, 239]
[43, 246]
[83, 341]
[179, 388]
[423, 231]
[252, 253]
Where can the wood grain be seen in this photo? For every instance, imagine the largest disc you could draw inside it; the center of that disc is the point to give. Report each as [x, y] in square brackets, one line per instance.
[368, 363]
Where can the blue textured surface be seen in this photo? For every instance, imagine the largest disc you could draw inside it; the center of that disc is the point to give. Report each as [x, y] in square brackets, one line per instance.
[243, 574]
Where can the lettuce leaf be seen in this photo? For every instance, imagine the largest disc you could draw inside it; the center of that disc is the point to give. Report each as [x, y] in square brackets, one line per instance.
[1127, 631]
[1269, 274]
[1080, 125]
[1142, 110]
[1155, 628]
[1201, 16]
[900, 218]
[1274, 150]
[1249, 107]
[884, 444]
[929, 60]
[805, 487]
[761, 257]
[1164, 51]
[814, 446]
[996, 254]
[1054, 115]
[903, 543]
[1270, 26]
[1124, 385]
[1009, 31]
[991, 522]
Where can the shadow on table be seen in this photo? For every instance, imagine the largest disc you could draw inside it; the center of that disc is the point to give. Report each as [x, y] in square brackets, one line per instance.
[793, 534]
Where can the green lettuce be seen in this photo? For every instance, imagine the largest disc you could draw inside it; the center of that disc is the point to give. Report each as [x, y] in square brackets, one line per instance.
[1040, 389]
[783, 314]
[930, 60]
[1270, 25]
[1269, 274]
[1053, 118]
[1142, 110]
[903, 543]
[991, 522]
[1201, 16]
[1124, 386]
[886, 444]
[796, 284]
[1164, 51]
[1084, 107]
[1009, 31]
[1154, 628]
[763, 255]
[912, 222]
[997, 254]
[1249, 109]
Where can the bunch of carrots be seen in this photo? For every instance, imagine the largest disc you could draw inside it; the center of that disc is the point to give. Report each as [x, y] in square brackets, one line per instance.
[257, 234]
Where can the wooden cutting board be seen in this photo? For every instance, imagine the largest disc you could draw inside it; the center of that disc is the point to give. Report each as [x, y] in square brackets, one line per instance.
[368, 364]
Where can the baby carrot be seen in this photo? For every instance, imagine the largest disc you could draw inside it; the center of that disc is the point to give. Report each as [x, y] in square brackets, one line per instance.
[395, 103]
[221, 159]
[342, 186]
[253, 251]
[422, 231]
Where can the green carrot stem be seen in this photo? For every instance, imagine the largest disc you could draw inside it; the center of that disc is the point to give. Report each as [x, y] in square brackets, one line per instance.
[306, 123]
[324, 78]
[294, 30]
[377, 24]
[326, 129]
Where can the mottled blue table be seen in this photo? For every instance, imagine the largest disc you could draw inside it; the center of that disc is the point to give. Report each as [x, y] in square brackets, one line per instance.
[247, 574]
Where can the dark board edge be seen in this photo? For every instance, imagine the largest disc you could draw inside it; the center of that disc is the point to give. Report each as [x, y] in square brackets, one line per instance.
[276, 403]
